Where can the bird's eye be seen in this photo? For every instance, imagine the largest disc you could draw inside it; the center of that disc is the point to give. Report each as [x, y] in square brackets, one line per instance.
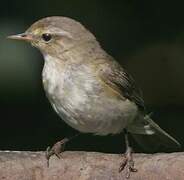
[46, 37]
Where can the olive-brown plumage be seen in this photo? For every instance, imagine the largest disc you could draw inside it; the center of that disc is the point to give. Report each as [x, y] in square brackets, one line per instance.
[87, 88]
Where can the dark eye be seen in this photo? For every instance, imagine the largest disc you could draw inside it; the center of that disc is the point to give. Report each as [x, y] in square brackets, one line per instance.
[46, 37]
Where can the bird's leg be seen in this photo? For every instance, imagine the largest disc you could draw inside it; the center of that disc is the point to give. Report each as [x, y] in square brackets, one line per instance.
[128, 162]
[57, 148]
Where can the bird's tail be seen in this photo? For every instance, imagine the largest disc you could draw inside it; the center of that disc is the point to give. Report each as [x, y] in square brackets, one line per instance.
[151, 137]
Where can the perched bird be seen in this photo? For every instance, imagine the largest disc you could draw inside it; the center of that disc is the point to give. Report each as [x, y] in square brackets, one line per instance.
[88, 88]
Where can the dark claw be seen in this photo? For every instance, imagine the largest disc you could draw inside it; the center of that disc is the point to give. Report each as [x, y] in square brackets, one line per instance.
[48, 154]
[128, 163]
[130, 168]
[122, 165]
[56, 149]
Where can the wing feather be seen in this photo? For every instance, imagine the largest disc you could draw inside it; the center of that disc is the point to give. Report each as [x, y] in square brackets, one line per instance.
[114, 75]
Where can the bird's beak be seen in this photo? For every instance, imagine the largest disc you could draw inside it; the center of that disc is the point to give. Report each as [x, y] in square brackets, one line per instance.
[23, 36]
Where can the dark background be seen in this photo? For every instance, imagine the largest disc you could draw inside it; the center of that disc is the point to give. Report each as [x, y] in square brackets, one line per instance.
[146, 37]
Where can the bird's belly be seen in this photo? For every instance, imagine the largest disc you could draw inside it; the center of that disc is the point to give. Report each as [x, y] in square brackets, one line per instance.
[82, 102]
[94, 114]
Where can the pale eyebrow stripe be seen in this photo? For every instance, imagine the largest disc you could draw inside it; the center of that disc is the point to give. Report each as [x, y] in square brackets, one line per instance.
[64, 33]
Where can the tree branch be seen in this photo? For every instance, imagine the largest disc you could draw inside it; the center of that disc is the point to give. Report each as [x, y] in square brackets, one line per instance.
[21, 165]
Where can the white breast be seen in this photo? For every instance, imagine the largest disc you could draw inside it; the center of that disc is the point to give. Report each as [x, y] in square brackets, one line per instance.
[50, 75]
[53, 76]
[80, 100]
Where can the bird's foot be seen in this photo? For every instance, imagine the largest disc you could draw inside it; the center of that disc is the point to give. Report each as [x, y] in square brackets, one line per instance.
[56, 149]
[127, 163]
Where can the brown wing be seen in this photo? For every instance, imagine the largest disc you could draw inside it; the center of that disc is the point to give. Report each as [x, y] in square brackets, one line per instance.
[117, 78]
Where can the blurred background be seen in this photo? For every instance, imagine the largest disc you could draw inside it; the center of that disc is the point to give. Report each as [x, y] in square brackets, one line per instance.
[146, 37]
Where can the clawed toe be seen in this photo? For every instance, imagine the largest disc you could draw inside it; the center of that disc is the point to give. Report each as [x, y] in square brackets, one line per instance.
[130, 168]
[127, 163]
[56, 149]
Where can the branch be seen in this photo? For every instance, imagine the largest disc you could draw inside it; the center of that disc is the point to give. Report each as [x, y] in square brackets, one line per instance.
[21, 165]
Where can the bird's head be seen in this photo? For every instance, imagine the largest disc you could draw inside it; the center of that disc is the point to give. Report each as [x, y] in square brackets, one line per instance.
[53, 35]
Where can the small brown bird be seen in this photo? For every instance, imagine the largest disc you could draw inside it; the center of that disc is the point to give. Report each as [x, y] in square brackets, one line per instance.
[90, 90]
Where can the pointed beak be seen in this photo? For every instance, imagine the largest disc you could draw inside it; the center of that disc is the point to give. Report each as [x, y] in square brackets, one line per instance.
[23, 36]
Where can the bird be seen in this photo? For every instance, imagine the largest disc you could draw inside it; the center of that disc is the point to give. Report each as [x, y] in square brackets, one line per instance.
[89, 89]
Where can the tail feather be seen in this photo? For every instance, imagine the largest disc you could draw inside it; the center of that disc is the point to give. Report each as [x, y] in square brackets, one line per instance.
[151, 137]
